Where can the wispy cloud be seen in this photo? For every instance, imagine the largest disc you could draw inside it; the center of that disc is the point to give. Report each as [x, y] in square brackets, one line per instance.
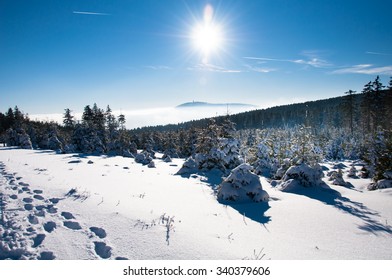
[368, 69]
[90, 13]
[261, 69]
[378, 53]
[158, 67]
[312, 61]
[213, 68]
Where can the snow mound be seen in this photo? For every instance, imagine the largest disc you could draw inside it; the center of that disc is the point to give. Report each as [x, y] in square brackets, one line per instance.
[381, 184]
[301, 175]
[189, 166]
[242, 186]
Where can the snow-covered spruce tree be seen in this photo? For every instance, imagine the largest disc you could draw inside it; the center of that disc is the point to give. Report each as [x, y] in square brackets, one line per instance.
[86, 140]
[53, 142]
[229, 145]
[304, 147]
[379, 159]
[242, 186]
[262, 159]
[18, 137]
[208, 154]
[170, 148]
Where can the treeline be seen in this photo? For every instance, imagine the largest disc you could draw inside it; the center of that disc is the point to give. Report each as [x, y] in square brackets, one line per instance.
[364, 111]
[355, 126]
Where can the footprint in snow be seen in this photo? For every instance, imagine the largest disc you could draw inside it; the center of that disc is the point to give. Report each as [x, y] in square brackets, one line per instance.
[54, 200]
[39, 197]
[27, 199]
[38, 191]
[23, 184]
[100, 232]
[25, 189]
[67, 215]
[33, 219]
[51, 209]
[50, 226]
[28, 207]
[40, 207]
[47, 256]
[40, 213]
[103, 250]
[13, 196]
[38, 240]
[72, 225]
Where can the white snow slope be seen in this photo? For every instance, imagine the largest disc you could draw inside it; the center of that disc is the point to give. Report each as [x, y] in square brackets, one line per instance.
[72, 206]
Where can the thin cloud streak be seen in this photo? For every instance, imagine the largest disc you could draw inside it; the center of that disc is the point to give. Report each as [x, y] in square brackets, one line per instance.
[314, 62]
[260, 69]
[377, 53]
[90, 13]
[158, 67]
[367, 69]
[213, 68]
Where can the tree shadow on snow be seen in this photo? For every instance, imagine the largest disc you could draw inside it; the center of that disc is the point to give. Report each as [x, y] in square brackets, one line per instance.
[254, 211]
[334, 198]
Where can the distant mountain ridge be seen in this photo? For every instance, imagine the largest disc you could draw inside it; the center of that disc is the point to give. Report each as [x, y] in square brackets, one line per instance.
[207, 104]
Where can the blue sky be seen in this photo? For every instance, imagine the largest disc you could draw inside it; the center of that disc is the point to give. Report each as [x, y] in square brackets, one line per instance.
[57, 54]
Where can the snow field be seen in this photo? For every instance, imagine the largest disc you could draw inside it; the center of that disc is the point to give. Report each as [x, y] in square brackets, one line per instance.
[114, 208]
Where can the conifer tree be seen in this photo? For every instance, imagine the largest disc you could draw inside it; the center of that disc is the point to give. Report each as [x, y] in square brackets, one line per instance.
[68, 119]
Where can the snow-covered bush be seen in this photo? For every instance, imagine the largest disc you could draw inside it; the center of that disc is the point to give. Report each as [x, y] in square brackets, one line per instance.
[54, 143]
[189, 166]
[352, 173]
[282, 169]
[213, 160]
[242, 186]
[381, 184]
[19, 138]
[302, 175]
[143, 158]
[336, 177]
[69, 149]
[24, 141]
[264, 162]
[167, 159]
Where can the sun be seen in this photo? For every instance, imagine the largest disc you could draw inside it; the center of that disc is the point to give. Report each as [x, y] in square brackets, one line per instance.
[207, 37]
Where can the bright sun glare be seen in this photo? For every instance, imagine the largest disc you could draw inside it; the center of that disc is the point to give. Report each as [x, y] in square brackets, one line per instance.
[207, 36]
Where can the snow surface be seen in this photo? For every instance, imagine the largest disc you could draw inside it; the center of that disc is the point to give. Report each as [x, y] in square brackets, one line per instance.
[71, 206]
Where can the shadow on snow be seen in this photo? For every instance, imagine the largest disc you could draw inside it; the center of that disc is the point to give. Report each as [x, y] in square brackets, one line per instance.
[254, 211]
[334, 198]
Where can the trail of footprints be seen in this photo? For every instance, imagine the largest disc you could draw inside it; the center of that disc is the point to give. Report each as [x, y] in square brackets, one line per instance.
[37, 206]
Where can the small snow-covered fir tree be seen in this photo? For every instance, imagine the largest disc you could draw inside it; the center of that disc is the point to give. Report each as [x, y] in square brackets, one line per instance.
[336, 177]
[301, 175]
[229, 145]
[242, 186]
